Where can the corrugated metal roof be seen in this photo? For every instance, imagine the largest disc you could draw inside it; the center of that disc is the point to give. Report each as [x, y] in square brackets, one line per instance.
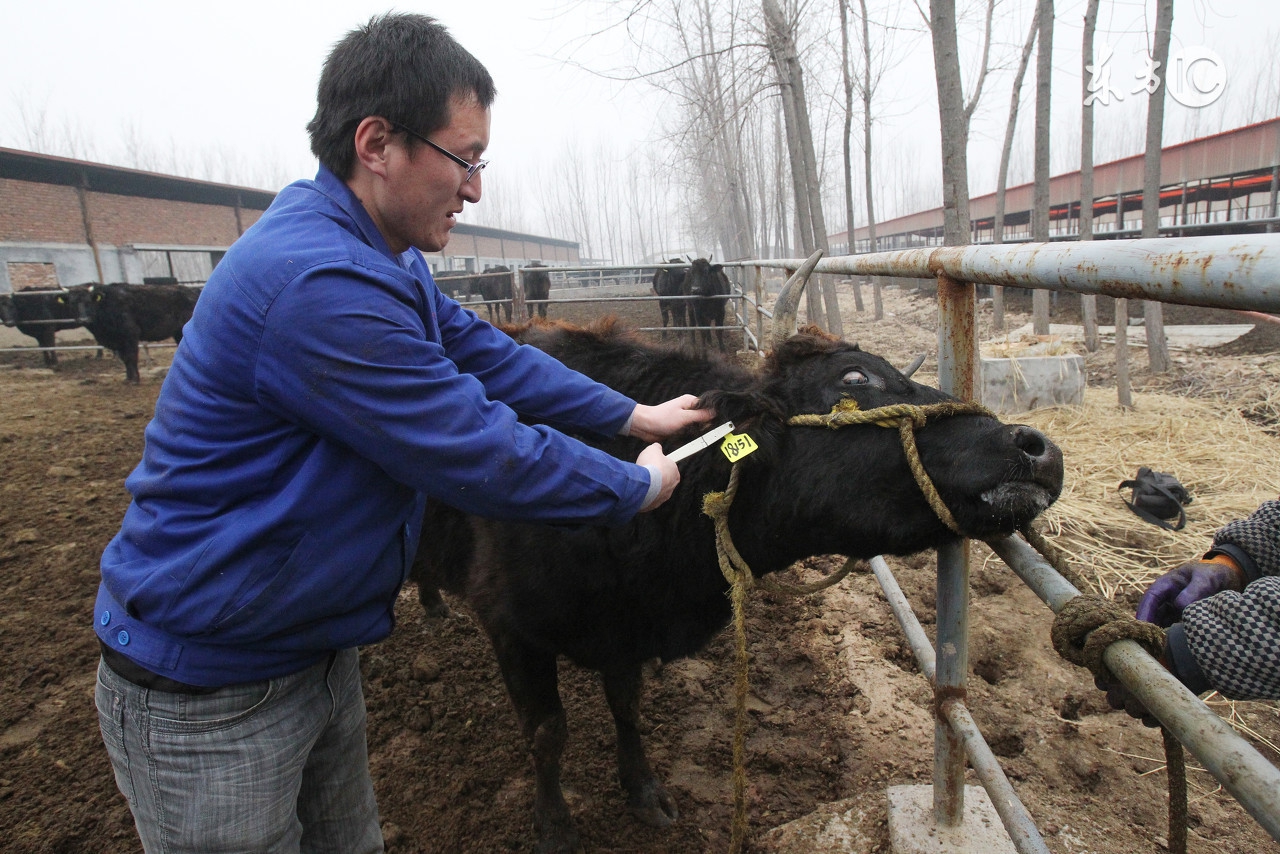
[1215, 159]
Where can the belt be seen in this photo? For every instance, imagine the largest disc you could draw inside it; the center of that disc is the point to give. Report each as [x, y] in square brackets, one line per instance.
[130, 671]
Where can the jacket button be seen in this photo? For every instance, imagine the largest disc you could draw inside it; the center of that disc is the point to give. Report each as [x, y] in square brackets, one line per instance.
[106, 617]
[123, 638]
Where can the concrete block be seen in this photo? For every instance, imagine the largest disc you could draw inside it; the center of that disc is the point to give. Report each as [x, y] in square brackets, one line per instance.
[842, 827]
[1030, 382]
[912, 829]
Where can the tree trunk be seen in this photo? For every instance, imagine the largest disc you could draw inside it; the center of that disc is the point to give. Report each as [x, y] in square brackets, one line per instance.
[804, 168]
[867, 91]
[1002, 177]
[1153, 312]
[1122, 354]
[1040, 205]
[955, 127]
[847, 148]
[1088, 302]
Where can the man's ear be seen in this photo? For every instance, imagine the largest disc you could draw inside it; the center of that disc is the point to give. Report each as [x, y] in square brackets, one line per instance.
[373, 136]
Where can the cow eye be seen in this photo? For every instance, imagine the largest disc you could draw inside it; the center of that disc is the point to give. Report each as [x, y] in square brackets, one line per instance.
[854, 377]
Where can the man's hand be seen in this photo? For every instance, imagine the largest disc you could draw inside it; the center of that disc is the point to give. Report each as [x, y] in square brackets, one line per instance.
[653, 456]
[654, 423]
[1164, 600]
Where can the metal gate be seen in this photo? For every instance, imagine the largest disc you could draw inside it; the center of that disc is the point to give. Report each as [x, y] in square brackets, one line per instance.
[1236, 272]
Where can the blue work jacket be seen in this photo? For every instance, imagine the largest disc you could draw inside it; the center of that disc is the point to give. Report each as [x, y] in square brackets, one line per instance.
[323, 389]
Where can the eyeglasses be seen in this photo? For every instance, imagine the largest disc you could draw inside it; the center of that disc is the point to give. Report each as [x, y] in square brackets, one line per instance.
[472, 168]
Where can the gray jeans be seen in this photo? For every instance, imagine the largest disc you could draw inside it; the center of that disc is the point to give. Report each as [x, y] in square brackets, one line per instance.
[275, 766]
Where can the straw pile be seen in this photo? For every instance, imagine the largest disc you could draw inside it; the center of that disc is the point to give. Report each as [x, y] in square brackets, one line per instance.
[1229, 464]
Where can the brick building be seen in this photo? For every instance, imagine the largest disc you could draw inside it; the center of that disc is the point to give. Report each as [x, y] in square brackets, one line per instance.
[66, 222]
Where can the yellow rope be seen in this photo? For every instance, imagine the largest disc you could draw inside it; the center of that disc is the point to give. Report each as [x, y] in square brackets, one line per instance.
[907, 418]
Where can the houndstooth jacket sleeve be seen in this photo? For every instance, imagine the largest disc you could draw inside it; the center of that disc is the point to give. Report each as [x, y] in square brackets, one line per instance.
[1235, 637]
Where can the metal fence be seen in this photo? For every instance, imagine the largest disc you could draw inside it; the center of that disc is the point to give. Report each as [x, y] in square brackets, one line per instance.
[1235, 272]
[605, 286]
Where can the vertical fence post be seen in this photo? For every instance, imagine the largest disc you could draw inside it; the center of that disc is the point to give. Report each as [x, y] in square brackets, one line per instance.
[519, 308]
[957, 367]
[759, 284]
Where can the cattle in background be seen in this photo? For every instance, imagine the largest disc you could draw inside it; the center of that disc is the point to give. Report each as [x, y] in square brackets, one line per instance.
[708, 284]
[612, 598]
[122, 315]
[670, 284]
[40, 314]
[457, 284]
[537, 287]
[495, 289]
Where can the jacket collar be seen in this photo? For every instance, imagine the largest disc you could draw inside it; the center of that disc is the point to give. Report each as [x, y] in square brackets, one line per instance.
[341, 195]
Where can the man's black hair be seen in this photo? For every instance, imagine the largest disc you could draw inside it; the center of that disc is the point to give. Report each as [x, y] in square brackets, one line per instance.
[405, 68]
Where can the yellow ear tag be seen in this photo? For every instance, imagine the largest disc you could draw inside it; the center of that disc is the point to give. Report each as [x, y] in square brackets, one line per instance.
[736, 447]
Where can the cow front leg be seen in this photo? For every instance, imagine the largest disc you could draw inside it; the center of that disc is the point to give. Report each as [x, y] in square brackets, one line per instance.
[532, 683]
[646, 798]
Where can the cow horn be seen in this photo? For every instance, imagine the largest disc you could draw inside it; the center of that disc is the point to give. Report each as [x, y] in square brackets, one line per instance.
[914, 366]
[788, 304]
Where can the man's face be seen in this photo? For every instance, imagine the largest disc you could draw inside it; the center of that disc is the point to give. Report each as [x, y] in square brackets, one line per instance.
[424, 188]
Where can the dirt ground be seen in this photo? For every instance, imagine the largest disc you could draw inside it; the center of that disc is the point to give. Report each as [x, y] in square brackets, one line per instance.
[838, 709]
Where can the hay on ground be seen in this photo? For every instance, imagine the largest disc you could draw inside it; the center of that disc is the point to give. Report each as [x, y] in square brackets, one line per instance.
[1228, 463]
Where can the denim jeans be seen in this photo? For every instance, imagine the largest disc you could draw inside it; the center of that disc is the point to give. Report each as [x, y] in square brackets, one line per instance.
[274, 766]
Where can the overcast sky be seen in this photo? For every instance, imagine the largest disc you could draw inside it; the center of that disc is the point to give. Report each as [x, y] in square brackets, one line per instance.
[236, 79]
[242, 75]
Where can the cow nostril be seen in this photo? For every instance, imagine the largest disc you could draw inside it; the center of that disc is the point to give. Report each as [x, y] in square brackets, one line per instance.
[1030, 441]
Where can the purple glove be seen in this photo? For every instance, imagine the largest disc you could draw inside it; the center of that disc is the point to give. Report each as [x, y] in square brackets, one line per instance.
[1164, 600]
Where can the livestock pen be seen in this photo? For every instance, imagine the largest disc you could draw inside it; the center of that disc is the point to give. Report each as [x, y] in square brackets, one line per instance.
[1232, 272]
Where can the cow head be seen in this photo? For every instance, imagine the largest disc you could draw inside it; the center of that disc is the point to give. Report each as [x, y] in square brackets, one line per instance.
[7, 315]
[706, 279]
[846, 488]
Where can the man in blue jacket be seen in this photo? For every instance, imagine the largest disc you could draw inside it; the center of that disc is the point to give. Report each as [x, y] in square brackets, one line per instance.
[323, 390]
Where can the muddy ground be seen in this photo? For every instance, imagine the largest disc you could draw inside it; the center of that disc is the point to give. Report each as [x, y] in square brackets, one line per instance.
[838, 709]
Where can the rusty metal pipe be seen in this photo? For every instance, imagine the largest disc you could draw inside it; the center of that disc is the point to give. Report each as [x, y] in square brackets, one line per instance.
[1220, 271]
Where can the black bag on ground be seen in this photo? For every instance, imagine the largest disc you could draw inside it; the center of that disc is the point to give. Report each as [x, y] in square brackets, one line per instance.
[1158, 496]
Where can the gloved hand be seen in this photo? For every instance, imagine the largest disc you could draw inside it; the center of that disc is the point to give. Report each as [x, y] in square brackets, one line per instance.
[1164, 600]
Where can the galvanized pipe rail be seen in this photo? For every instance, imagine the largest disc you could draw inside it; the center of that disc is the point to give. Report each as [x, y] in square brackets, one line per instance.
[1228, 271]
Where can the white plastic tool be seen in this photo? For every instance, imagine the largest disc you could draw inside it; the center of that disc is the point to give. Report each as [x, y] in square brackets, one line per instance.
[706, 440]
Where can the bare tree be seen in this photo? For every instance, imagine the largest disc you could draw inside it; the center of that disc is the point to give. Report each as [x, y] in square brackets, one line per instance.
[1088, 302]
[871, 77]
[1002, 177]
[780, 36]
[955, 114]
[1040, 204]
[847, 141]
[1153, 312]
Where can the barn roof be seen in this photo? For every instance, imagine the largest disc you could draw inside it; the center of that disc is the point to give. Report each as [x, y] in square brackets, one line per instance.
[101, 178]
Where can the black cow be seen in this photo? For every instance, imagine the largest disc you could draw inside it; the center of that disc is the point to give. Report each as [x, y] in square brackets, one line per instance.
[458, 284]
[612, 598]
[709, 285]
[495, 290]
[670, 284]
[121, 315]
[40, 314]
[537, 287]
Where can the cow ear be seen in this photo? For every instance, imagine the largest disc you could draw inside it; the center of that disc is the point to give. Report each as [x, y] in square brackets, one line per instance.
[751, 412]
